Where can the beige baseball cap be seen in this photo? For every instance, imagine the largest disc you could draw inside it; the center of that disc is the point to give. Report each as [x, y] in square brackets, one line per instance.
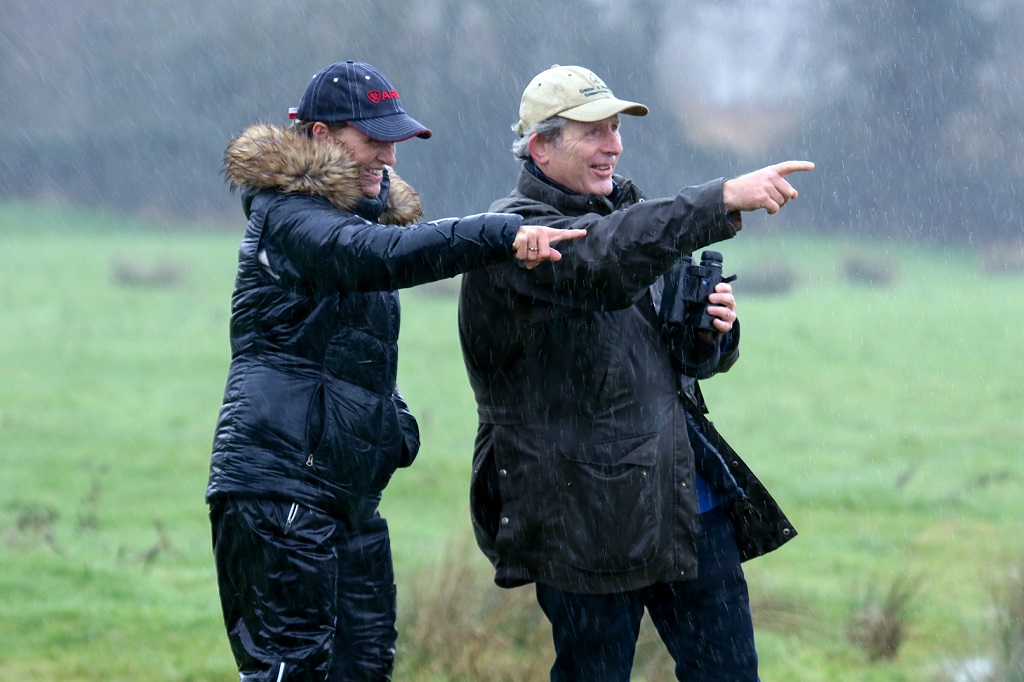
[574, 93]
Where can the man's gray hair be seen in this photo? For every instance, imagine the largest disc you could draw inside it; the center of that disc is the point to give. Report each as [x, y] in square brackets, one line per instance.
[550, 129]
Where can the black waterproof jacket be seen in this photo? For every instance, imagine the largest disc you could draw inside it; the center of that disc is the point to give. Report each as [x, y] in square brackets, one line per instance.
[583, 474]
[311, 412]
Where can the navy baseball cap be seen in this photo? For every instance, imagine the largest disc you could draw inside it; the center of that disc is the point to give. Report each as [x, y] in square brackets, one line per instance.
[360, 95]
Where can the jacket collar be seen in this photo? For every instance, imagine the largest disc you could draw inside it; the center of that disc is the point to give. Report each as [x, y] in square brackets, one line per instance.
[533, 183]
[265, 156]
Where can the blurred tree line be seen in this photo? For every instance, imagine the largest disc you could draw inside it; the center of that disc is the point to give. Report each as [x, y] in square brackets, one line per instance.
[911, 108]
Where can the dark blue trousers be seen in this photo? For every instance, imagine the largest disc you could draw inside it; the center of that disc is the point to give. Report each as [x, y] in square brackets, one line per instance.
[704, 623]
[305, 596]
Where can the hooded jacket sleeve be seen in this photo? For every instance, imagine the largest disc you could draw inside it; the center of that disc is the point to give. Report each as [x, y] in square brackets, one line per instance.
[308, 242]
[701, 360]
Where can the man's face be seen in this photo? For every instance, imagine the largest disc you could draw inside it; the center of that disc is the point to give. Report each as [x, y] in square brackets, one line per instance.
[369, 155]
[585, 158]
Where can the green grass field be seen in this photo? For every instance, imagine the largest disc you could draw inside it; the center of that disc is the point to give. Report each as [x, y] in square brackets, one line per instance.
[886, 419]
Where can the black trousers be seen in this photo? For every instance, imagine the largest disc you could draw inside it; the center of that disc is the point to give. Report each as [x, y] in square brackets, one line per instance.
[704, 623]
[305, 596]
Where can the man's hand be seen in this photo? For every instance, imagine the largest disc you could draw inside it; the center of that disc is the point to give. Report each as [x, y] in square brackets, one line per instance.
[532, 244]
[722, 305]
[766, 188]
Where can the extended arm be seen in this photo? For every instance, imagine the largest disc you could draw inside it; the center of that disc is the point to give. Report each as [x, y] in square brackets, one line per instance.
[316, 245]
[624, 252]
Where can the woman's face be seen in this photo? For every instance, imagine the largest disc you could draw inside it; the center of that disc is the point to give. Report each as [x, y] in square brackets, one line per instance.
[369, 155]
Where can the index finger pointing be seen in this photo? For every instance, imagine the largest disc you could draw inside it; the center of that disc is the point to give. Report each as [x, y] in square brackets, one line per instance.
[559, 235]
[787, 167]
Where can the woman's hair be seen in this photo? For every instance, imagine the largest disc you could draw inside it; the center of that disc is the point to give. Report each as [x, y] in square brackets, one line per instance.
[306, 127]
[550, 129]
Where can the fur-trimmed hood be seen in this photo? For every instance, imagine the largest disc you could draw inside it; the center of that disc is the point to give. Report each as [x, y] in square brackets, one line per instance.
[266, 156]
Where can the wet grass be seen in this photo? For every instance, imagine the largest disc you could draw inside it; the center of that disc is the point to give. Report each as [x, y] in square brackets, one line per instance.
[885, 418]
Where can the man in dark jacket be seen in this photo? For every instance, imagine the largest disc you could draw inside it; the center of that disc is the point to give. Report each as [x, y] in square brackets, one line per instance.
[312, 425]
[596, 474]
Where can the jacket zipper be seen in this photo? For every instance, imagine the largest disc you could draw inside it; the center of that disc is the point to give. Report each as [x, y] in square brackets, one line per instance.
[292, 513]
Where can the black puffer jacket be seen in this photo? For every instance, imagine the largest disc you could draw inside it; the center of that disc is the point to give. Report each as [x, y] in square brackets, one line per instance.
[583, 473]
[311, 411]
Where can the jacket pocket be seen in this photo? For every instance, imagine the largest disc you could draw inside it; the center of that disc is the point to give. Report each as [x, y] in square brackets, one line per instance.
[362, 441]
[606, 497]
[315, 416]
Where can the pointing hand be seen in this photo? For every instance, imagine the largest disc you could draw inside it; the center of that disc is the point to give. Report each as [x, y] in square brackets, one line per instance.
[766, 188]
[532, 244]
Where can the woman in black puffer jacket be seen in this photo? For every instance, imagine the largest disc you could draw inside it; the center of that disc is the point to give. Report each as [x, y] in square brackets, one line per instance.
[312, 425]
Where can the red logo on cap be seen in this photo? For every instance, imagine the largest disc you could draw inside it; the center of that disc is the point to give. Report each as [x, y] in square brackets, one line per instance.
[378, 96]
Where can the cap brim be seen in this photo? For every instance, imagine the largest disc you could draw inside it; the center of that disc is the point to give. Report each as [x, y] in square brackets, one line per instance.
[600, 109]
[391, 128]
